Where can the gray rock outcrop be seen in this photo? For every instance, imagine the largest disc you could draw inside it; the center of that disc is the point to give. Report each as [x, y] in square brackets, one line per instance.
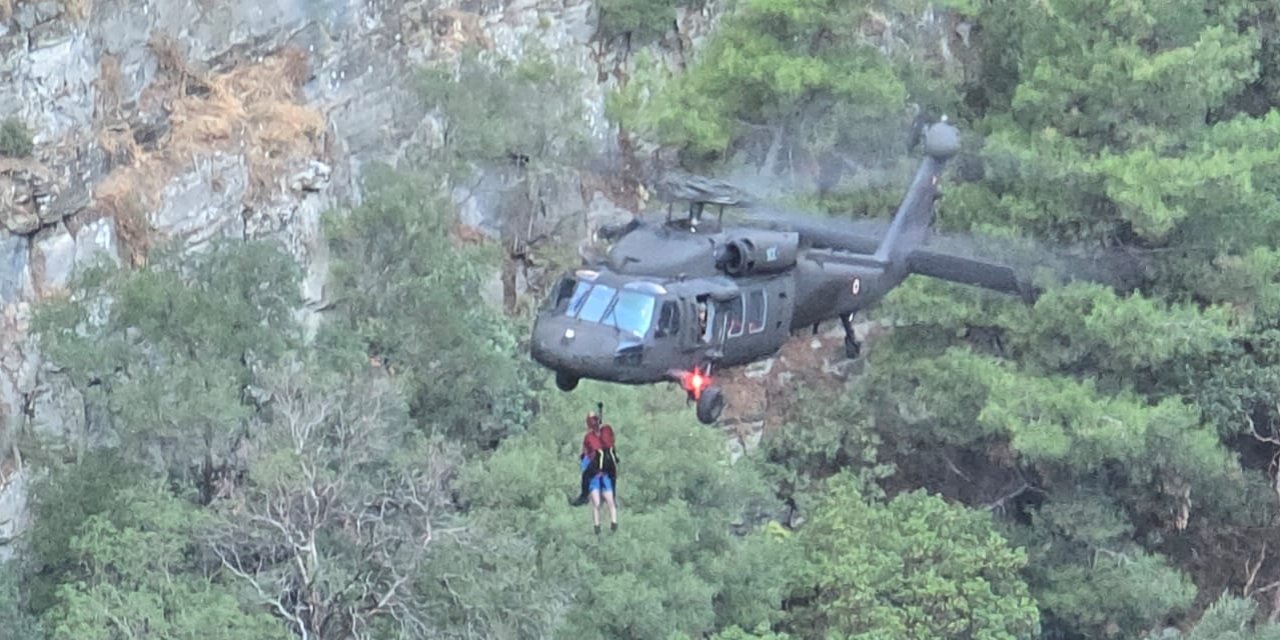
[185, 121]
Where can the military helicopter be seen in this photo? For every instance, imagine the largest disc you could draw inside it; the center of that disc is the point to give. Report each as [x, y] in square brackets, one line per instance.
[681, 300]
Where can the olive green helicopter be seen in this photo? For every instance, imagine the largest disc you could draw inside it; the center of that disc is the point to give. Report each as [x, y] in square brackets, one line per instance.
[682, 300]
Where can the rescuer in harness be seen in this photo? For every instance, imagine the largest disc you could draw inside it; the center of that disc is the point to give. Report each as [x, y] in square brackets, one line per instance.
[599, 464]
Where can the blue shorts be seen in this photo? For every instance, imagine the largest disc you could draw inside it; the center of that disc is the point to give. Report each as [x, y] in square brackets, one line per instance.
[600, 482]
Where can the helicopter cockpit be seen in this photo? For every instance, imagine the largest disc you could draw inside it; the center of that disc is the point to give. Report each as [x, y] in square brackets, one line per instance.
[629, 308]
[610, 326]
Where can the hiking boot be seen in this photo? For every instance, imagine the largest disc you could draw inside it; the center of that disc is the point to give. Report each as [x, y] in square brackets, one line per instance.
[613, 527]
[597, 529]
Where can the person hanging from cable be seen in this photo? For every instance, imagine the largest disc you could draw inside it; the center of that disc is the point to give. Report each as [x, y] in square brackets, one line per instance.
[598, 463]
[608, 457]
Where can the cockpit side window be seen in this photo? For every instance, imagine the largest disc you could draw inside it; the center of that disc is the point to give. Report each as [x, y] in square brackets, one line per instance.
[564, 293]
[668, 320]
[577, 297]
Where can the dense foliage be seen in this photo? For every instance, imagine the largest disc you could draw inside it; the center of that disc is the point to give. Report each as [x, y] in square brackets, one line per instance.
[15, 138]
[1098, 464]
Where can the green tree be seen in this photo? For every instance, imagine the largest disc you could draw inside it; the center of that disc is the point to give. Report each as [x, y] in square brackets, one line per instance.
[1141, 125]
[480, 583]
[61, 501]
[1091, 416]
[795, 79]
[1090, 577]
[674, 566]
[411, 301]
[168, 350]
[912, 567]
[640, 20]
[139, 579]
[341, 502]
[15, 138]
[827, 432]
[15, 613]
[1232, 618]
[497, 109]
[514, 141]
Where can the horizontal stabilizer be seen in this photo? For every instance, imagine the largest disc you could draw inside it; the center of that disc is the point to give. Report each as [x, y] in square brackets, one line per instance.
[988, 275]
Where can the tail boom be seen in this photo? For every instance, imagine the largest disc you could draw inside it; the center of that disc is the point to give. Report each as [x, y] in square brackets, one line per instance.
[914, 217]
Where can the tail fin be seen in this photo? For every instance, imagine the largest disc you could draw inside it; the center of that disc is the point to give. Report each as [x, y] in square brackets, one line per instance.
[915, 215]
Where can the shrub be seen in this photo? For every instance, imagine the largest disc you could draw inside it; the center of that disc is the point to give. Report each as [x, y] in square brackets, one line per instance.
[15, 138]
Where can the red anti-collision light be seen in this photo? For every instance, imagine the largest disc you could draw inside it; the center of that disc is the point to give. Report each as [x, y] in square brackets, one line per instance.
[695, 382]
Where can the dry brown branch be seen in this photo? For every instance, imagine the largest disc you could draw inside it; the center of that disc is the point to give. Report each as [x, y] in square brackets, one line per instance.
[326, 538]
[456, 29]
[77, 9]
[251, 109]
[1253, 429]
[1273, 469]
[117, 141]
[108, 87]
[1251, 573]
[170, 58]
[126, 194]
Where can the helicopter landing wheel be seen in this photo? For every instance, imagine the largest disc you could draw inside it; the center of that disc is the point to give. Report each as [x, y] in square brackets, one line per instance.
[852, 348]
[566, 382]
[851, 345]
[710, 404]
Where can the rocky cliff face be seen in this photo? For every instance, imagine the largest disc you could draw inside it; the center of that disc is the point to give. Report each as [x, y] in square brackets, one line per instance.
[194, 119]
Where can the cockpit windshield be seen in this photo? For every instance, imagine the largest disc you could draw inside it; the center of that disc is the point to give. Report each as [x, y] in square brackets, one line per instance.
[633, 312]
[628, 310]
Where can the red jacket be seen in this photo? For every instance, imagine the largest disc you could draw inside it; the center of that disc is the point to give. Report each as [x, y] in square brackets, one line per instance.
[591, 443]
[606, 436]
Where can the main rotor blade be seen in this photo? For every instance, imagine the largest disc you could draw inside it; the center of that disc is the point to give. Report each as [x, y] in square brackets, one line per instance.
[1119, 269]
[860, 235]
[1001, 263]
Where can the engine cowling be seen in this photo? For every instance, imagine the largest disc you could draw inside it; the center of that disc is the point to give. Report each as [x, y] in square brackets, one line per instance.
[759, 252]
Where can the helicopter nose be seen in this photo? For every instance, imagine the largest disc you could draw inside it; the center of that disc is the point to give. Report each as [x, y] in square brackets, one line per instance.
[558, 342]
[590, 350]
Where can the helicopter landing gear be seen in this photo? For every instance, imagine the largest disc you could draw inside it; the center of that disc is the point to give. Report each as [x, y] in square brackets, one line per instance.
[852, 348]
[703, 391]
[710, 404]
[566, 382]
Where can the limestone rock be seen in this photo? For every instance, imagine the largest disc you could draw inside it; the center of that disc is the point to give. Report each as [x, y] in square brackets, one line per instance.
[13, 509]
[97, 239]
[54, 258]
[15, 274]
[205, 201]
[58, 418]
[315, 177]
[602, 212]
[53, 84]
[23, 185]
